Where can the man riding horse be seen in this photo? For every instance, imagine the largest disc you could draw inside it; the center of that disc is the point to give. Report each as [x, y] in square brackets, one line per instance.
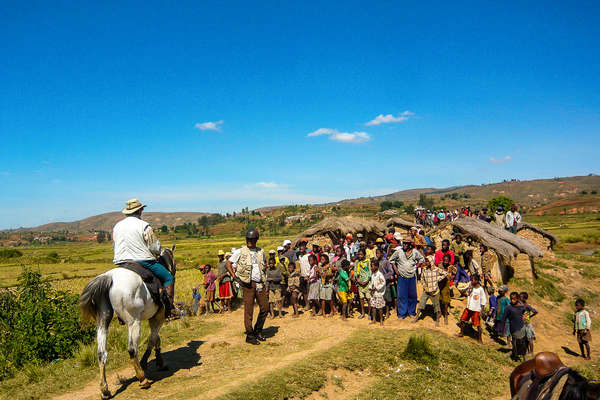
[134, 241]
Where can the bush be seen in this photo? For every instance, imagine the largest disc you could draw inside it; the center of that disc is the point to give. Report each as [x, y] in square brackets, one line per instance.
[38, 324]
[419, 349]
[10, 253]
[503, 201]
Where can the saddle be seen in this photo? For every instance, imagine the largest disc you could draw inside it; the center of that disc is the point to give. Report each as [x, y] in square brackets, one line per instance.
[546, 381]
[152, 284]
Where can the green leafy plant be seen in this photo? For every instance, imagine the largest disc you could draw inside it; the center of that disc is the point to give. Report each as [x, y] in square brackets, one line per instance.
[38, 324]
[503, 201]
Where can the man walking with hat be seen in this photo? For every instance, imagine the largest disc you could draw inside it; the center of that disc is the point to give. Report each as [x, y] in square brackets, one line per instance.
[249, 263]
[134, 241]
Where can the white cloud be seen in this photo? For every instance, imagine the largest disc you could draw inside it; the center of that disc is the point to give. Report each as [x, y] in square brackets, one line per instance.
[209, 126]
[267, 185]
[344, 137]
[389, 118]
[500, 160]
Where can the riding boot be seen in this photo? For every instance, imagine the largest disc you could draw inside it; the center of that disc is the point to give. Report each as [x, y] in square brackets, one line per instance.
[170, 291]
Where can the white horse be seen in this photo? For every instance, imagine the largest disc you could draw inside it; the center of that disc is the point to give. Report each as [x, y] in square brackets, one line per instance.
[123, 291]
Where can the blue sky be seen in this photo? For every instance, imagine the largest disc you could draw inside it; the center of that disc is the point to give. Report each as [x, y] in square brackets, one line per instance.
[210, 106]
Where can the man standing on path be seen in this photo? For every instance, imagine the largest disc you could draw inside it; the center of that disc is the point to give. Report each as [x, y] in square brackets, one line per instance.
[249, 263]
[407, 259]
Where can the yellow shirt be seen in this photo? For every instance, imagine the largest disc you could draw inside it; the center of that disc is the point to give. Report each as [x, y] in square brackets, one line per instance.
[370, 253]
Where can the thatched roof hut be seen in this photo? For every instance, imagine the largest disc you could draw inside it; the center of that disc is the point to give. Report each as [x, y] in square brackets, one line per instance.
[541, 237]
[339, 227]
[399, 222]
[514, 253]
[506, 244]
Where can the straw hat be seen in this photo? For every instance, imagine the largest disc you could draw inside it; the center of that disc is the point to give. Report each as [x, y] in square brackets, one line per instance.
[132, 206]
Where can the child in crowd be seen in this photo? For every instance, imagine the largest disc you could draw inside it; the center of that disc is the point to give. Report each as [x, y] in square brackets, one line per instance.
[362, 276]
[513, 315]
[314, 284]
[326, 291]
[581, 328]
[529, 313]
[430, 278]
[196, 297]
[210, 286]
[377, 289]
[502, 303]
[344, 293]
[476, 301]
[490, 315]
[444, 286]
[294, 287]
[274, 279]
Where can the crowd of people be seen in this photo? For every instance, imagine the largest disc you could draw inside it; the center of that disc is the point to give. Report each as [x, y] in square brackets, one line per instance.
[508, 220]
[373, 277]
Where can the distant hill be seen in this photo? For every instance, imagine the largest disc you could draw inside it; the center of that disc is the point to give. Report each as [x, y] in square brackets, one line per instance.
[532, 194]
[105, 222]
[571, 194]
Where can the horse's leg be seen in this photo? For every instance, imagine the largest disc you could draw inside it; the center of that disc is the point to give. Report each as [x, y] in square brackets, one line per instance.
[132, 348]
[154, 340]
[155, 325]
[104, 318]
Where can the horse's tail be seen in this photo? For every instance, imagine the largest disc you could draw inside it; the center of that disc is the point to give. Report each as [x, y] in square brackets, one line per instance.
[94, 294]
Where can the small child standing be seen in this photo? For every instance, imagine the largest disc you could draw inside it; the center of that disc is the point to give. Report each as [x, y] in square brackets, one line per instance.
[210, 286]
[343, 289]
[490, 316]
[476, 301]
[274, 278]
[314, 284]
[294, 287]
[502, 302]
[529, 313]
[326, 291]
[582, 327]
[377, 288]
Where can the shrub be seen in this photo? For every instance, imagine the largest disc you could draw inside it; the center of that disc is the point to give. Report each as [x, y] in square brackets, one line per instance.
[38, 324]
[419, 349]
[10, 253]
[503, 201]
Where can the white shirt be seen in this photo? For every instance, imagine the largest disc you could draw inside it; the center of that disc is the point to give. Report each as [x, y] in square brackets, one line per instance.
[377, 283]
[132, 239]
[477, 299]
[304, 266]
[512, 218]
[255, 274]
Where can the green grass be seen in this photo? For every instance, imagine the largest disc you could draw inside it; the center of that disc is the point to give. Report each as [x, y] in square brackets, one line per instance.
[544, 286]
[36, 381]
[386, 355]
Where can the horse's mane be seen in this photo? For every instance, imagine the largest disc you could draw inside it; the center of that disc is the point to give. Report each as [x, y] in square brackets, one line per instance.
[579, 388]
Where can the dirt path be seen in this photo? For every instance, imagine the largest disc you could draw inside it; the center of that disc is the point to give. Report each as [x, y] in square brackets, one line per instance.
[226, 361]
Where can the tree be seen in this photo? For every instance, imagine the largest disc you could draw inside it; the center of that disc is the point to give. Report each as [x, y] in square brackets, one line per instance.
[409, 209]
[164, 229]
[425, 202]
[503, 201]
[101, 237]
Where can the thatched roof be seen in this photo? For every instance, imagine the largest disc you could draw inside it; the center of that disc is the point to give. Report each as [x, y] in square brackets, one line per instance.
[399, 222]
[506, 244]
[336, 228]
[524, 225]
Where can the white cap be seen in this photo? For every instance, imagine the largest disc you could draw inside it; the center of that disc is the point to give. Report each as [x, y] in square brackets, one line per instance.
[286, 242]
[271, 251]
[398, 236]
[280, 248]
